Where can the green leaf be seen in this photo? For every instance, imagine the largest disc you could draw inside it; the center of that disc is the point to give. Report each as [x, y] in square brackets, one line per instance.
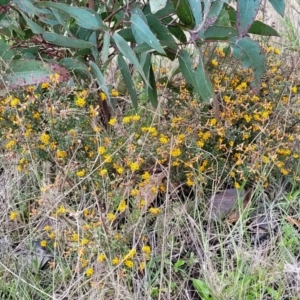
[154, 292]
[129, 54]
[196, 8]
[262, 29]
[219, 33]
[5, 53]
[275, 294]
[127, 35]
[146, 48]
[184, 13]
[79, 32]
[30, 52]
[128, 80]
[178, 33]
[4, 2]
[223, 19]
[2, 16]
[100, 78]
[198, 79]
[202, 289]
[179, 263]
[137, 37]
[246, 14]
[232, 15]
[35, 28]
[9, 26]
[144, 33]
[151, 91]
[161, 31]
[83, 17]
[249, 52]
[94, 49]
[204, 85]
[76, 66]
[3, 47]
[64, 41]
[185, 64]
[25, 72]
[141, 48]
[215, 10]
[164, 35]
[59, 18]
[168, 10]
[105, 47]
[27, 7]
[118, 18]
[279, 6]
[157, 5]
[257, 27]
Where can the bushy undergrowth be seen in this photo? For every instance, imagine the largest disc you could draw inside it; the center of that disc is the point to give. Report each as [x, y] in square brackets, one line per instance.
[125, 210]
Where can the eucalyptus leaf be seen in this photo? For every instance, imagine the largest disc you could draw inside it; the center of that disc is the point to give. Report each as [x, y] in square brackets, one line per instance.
[76, 66]
[129, 54]
[151, 91]
[94, 49]
[256, 27]
[144, 33]
[246, 14]
[127, 35]
[25, 72]
[4, 2]
[219, 33]
[184, 13]
[61, 21]
[204, 86]
[35, 28]
[249, 52]
[262, 29]
[80, 32]
[178, 33]
[65, 41]
[279, 6]
[27, 7]
[164, 35]
[164, 12]
[196, 8]
[83, 17]
[100, 78]
[137, 38]
[213, 14]
[3, 47]
[2, 17]
[185, 64]
[157, 5]
[128, 80]
[144, 47]
[198, 78]
[105, 47]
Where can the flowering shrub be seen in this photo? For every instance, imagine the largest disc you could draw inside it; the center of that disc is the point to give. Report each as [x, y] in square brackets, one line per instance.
[102, 176]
